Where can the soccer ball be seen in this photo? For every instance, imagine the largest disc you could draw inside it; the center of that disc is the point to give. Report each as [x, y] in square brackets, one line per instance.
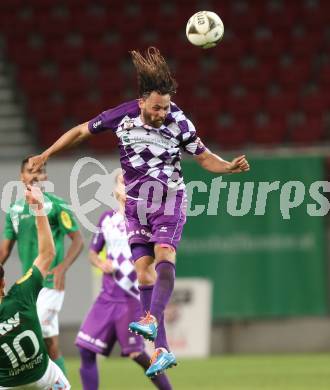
[204, 29]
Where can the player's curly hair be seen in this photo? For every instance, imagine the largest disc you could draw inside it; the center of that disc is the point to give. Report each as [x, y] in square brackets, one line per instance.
[153, 73]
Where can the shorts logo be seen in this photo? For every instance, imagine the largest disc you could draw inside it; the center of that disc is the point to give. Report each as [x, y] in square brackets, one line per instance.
[131, 340]
[141, 232]
[66, 220]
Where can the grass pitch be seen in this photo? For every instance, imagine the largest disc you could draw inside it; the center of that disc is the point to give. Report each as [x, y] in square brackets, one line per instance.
[258, 372]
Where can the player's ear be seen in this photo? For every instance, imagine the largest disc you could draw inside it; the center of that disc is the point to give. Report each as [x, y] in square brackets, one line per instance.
[142, 103]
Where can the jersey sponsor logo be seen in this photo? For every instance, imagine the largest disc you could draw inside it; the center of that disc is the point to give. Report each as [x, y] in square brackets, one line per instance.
[24, 216]
[25, 277]
[163, 229]
[66, 220]
[9, 324]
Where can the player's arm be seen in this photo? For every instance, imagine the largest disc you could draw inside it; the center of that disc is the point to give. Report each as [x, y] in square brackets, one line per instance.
[105, 121]
[6, 247]
[69, 227]
[46, 247]
[96, 261]
[69, 139]
[213, 163]
[9, 238]
[96, 247]
[71, 255]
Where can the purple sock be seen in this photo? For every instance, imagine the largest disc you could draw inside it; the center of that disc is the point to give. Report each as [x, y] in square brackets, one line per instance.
[88, 370]
[145, 299]
[160, 297]
[160, 381]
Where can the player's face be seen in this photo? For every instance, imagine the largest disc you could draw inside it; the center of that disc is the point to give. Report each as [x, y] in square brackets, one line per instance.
[29, 177]
[154, 108]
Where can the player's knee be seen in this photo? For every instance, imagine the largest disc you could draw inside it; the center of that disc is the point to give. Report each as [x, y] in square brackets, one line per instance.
[52, 347]
[165, 252]
[146, 277]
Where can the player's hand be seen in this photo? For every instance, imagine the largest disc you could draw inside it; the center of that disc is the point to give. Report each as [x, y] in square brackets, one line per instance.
[107, 267]
[239, 164]
[37, 162]
[34, 197]
[59, 277]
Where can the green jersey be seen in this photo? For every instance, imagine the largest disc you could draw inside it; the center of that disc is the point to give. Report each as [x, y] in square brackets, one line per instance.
[20, 225]
[23, 354]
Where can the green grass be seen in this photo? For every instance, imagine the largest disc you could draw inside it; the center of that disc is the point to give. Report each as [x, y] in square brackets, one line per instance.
[258, 372]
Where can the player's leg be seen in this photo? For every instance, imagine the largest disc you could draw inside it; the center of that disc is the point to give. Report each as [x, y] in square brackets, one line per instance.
[53, 379]
[89, 374]
[133, 345]
[143, 359]
[144, 267]
[162, 291]
[166, 233]
[97, 335]
[53, 349]
[49, 304]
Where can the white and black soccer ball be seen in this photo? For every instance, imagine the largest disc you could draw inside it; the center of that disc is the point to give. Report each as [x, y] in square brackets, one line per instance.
[205, 29]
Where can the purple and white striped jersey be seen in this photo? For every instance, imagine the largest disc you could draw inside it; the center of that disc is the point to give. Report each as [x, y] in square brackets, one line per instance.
[148, 153]
[122, 284]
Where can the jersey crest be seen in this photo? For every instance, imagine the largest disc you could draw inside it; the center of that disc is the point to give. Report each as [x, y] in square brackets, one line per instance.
[66, 220]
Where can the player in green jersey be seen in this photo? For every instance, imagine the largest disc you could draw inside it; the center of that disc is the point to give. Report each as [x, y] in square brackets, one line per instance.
[24, 362]
[20, 227]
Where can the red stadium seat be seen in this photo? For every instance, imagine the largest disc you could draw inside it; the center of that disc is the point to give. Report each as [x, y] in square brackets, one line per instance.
[270, 133]
[249, 104]
[314, 104]
[103, 143]
[294, 75]
[312, 131]
[255, 78]
[269, 47]
[62, 52]
[233, 136]
[18, 54]
[281, 103]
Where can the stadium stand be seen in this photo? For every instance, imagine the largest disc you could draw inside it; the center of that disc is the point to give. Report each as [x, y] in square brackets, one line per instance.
[266, 84]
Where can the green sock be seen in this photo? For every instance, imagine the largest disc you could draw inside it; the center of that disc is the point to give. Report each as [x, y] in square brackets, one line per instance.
[60, 363]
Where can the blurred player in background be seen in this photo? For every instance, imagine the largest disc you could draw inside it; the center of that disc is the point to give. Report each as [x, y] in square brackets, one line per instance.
[151, 133]
[118, 302]
[20, 227]
[24, 362]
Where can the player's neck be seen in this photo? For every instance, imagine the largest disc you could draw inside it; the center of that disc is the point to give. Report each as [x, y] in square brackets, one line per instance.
[121, 208]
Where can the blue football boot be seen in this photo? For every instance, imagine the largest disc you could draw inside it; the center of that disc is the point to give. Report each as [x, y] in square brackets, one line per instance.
[147, 327]
[160, 361]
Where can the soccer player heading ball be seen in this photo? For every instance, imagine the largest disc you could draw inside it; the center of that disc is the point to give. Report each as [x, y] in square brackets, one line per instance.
[151, 132]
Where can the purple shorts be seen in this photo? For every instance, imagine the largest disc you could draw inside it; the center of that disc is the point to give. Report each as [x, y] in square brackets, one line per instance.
[106, 323]
[160, 223]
